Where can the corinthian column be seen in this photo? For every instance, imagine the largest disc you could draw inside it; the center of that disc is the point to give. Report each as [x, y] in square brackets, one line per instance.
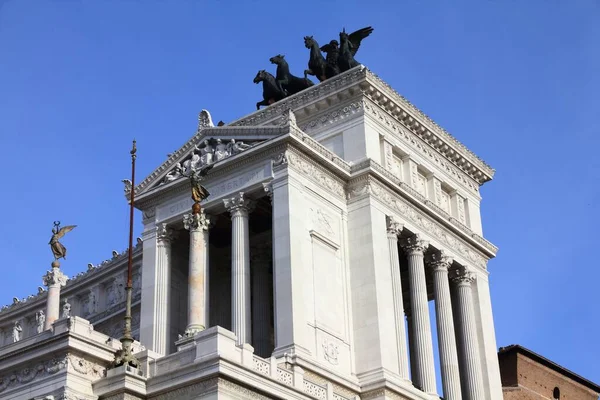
[197, 224]
[393, 230]
[421, 332]
[467, 336]
[164, 235]
[239, 207]
[439, 264]
[54, 279]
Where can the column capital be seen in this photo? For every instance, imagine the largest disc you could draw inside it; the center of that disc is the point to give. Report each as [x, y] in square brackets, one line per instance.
[55, 277]
[394, 228]
[268, 188]
[238, 204]
[196, 222]
[463, 276]
[440, 261]
[164, 233]
[415, 244]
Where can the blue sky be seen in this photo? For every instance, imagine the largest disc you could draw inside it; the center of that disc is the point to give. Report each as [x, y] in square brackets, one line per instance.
[515, 81]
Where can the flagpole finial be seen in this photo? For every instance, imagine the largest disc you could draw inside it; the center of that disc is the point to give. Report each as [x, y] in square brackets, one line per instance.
[133, 149]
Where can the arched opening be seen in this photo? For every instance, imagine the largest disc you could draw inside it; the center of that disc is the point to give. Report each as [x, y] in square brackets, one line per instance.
[556, 393]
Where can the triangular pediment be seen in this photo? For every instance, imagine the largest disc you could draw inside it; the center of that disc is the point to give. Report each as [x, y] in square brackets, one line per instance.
[209, 146]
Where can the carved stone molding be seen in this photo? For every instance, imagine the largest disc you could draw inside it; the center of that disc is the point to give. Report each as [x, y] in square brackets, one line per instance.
[367, 185]
[335, 115]
[33, 371]
[268, 188]
[330, 351]
[196, 221]
[316, 173]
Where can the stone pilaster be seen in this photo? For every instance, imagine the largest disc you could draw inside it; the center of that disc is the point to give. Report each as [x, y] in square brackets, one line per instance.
[198, 293]
[424, 378]
[393, 230]
[164, 236]
[239, 207]
[472, 380]
[439, 265]
[54, 280]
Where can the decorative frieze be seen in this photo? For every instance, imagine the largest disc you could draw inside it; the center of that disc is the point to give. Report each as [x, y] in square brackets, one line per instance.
[33, 371]
[315, 173]
[368, 185]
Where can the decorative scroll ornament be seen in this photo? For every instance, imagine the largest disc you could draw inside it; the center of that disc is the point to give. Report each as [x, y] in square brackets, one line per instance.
[330, 351]
[204, 120]
[238, 203]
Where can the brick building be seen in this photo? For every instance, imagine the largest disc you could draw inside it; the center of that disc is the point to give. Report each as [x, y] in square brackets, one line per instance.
[528, 376]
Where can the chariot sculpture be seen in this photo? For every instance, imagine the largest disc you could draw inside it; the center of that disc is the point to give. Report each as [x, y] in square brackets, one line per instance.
[339, 58]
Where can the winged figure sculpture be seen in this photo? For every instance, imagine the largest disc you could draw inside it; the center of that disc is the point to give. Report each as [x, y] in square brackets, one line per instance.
[349, 45]
[58, 249]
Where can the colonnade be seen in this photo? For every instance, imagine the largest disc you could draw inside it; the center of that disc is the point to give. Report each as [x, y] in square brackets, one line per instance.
[239, 207]
[458, 345]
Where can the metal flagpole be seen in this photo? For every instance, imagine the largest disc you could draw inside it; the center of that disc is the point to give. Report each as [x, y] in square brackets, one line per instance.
[125, 356]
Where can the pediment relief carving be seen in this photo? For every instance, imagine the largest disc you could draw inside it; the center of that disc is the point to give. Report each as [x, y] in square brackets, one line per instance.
[209, 151]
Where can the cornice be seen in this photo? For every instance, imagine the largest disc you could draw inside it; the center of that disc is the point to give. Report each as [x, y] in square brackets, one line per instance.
[426, 128]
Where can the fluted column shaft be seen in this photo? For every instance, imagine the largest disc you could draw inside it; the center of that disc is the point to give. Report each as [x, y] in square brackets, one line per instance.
[445, 327]
[240, 268]
[198, 292]
[54, 279]
[422, 340]
[467, 335]
[163, 287]
[393, 230]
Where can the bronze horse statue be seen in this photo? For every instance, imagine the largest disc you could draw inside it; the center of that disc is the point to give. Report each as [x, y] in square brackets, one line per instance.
[271, 90]
[317, 64]
[287, 82]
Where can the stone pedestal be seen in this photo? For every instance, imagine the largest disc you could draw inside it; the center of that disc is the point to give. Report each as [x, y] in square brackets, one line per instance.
[239, 206]
[54, 280]
[198, 293]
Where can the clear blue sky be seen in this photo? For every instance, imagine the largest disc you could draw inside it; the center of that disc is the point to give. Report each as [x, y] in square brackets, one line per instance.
[515, 81]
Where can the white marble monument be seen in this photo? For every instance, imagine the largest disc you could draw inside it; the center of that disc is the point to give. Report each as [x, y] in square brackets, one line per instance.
[335, 217]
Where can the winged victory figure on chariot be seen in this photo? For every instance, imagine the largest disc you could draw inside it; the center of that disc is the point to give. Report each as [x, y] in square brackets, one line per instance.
[339, 58]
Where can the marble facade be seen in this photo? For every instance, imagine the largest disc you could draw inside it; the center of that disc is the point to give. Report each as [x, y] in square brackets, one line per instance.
[339, 215]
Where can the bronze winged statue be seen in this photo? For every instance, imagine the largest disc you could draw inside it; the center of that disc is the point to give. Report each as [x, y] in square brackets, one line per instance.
[57, 248]
[349, 44]
[199, 192]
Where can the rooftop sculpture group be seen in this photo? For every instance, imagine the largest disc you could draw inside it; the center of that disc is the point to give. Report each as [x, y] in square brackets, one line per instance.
[340, 58]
